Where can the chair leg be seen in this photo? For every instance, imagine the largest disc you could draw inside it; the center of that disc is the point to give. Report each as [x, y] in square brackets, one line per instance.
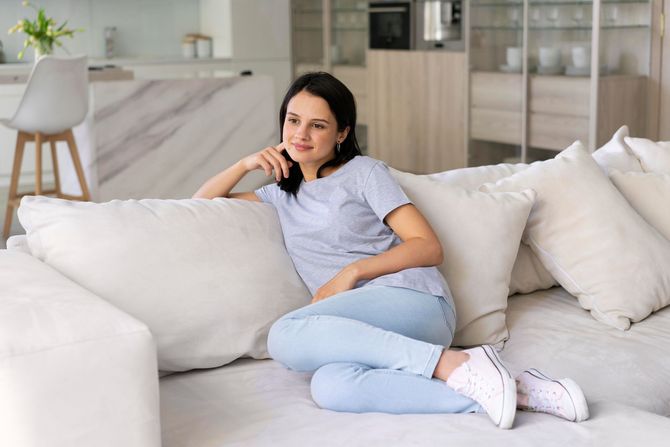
[54, 161]
[38, 163]
[14, 183]
[74, 153]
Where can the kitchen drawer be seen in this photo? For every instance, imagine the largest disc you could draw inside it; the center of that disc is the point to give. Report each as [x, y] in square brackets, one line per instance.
[499, 91]
[557, 132]
[560, 95]
[501, 126]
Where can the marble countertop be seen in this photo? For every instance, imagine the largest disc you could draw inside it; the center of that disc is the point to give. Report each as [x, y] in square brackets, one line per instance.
[106, 74]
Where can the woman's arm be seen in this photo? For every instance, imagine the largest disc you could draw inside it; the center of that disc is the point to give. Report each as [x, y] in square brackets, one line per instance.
[269, 159]
[420, 248]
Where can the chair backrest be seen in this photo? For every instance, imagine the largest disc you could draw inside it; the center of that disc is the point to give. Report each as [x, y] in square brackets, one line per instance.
[56, 97]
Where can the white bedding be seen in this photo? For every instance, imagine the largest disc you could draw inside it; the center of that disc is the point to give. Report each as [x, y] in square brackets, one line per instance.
[259, 402]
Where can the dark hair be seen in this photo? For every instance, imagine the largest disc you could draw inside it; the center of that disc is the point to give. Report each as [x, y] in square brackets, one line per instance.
[342, 104]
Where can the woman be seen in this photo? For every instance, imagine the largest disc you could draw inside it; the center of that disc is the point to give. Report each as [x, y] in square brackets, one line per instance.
[381, 318]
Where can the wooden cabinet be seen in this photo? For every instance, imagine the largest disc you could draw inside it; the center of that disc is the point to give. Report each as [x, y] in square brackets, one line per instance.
[416, 109]
[558, 109]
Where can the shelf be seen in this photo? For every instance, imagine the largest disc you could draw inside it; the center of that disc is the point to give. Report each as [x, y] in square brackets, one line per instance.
[519, 3]
[557, 28]
[308, 28]
[346, 28]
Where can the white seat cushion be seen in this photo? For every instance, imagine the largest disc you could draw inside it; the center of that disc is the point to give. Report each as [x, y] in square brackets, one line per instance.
[654, 156]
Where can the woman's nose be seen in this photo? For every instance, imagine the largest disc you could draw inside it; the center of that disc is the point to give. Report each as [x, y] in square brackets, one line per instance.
[302, 132]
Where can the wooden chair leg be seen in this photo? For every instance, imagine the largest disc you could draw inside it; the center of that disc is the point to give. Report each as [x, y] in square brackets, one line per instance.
[38, 163]
[74, 153]
[14, 183]
[54, 161]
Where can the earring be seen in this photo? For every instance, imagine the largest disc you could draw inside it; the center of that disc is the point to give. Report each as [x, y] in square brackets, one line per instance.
[337, 147]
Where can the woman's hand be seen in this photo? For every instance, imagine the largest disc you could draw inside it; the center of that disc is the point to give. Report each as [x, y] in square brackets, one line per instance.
[269, 159]
[345, 280]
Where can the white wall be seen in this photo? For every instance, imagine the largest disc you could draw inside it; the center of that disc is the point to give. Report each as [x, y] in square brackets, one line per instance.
[144, 27]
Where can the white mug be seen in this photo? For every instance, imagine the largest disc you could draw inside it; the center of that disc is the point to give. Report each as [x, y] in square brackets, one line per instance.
[513, 57]
[581, 57]
[550, 57]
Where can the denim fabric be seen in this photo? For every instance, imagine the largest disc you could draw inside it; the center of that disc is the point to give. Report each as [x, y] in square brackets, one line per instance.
[373, 349]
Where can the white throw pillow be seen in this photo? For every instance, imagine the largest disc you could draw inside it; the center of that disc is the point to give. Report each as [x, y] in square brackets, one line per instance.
[615, 154]
[591, 240]
[209, 277]
[649, 194]
[654, 156]
[480, 236]
[528, 274]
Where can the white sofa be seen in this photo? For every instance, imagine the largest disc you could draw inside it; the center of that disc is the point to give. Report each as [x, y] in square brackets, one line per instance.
[76, 370]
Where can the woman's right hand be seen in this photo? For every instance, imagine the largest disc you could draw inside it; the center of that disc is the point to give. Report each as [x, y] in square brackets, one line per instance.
[269, 159]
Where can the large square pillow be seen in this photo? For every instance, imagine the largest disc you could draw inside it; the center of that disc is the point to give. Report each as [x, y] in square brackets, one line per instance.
[209, 277]
[591, 240]
[649, 194]
[528, 273]
[480, 236]
[654, 156]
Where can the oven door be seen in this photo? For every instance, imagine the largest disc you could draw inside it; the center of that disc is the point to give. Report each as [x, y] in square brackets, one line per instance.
[391, 25]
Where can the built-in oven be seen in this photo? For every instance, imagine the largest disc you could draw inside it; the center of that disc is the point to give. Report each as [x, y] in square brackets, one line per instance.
[391, 25]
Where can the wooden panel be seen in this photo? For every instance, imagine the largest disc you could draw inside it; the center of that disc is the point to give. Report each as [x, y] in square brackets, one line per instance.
[416, 109]
[621, 100]
[559, 95]
[664, 115]
[549, 131]
[355, 78]
[501, 126]
[499, 91]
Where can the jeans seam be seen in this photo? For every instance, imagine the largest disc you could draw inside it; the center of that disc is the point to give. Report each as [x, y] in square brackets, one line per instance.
[444, 315]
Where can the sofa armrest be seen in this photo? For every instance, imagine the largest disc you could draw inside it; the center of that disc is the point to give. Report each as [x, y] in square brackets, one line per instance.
[74, 370]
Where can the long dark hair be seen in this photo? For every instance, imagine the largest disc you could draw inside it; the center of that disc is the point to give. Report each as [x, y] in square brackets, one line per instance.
[342, 104]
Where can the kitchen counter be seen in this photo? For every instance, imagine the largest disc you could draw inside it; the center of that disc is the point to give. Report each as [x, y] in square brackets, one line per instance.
[20, 76]
[164, 138]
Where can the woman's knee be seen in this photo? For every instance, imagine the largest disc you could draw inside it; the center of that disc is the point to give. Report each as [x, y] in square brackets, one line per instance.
[333, 386]
[284, 341]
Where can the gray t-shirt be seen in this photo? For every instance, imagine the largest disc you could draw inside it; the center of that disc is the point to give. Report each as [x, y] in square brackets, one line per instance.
[338, 219]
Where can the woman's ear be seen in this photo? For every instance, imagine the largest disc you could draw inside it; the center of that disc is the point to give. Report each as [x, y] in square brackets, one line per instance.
[341, 136]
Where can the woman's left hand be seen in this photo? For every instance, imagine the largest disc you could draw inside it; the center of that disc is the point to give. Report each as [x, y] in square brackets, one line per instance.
[345, 280]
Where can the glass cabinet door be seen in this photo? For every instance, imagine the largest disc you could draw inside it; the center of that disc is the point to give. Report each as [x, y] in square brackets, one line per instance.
[307, 36]
[495, 55]
[349, 35]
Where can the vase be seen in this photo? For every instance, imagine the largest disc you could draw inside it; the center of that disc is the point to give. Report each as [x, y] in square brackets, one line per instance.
[41, 50]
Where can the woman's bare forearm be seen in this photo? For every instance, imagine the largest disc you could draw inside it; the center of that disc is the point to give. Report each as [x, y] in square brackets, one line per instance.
[415, 252]
[222, 183]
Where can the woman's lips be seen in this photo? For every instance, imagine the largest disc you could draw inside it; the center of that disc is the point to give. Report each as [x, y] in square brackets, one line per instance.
[300, 147]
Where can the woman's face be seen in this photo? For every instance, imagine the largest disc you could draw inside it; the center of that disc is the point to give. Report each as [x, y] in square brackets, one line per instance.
[310, 129]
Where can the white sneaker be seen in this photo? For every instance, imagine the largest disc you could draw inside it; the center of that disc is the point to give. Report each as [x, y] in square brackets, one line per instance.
[562, 398]
[484, 379]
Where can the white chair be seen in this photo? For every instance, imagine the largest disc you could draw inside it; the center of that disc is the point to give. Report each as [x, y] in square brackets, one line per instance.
[55, 100]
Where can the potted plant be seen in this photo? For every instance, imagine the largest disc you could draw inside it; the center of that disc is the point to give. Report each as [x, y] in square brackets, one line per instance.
[43, 33]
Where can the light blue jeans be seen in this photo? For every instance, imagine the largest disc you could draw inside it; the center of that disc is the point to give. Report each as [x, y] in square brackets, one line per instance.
[372, 349]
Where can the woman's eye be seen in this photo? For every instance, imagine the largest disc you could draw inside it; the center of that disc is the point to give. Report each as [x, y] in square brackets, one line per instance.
[319, 126]
[292, 120]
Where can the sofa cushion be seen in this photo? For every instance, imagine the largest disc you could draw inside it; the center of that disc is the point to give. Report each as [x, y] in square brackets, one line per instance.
[654, 156]
[591, 240]
[469, 224]
[528, 273]
[649, 194]
[615, 154]
[550, 331]
[208, 277]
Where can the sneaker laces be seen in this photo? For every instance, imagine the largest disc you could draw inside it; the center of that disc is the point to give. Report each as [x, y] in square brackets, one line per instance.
[477, 387]
[545, 401]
